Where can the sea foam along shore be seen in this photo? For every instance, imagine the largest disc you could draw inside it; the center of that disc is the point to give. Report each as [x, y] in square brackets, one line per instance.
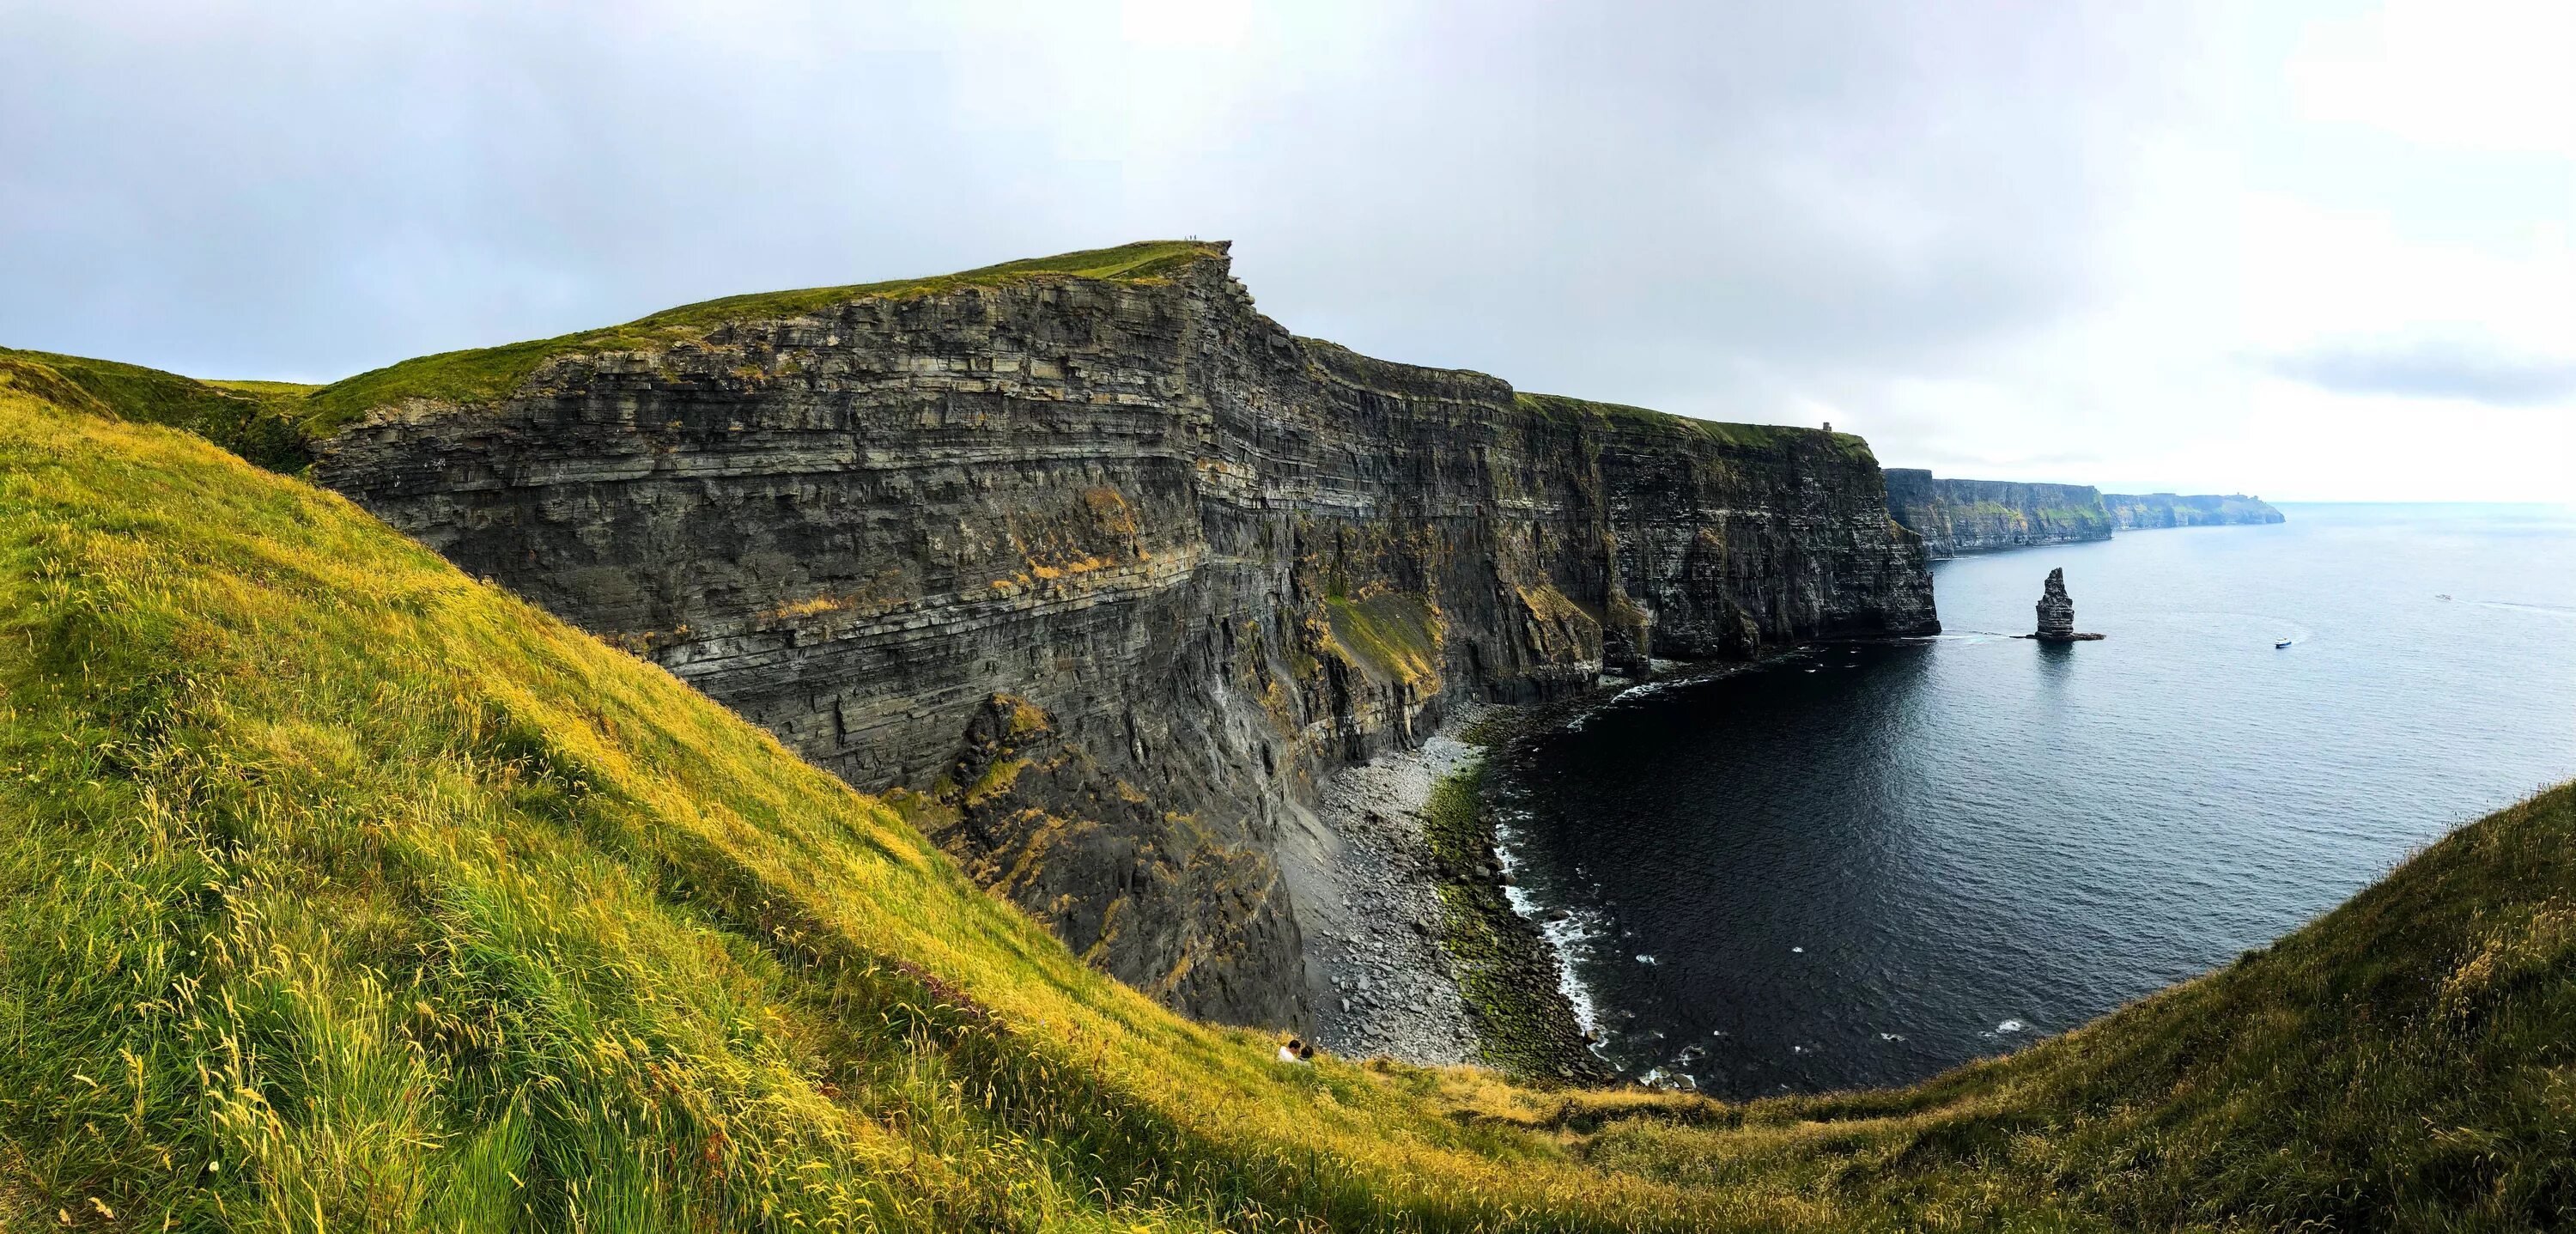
[1419, 943]
[1412, 949]
[1554, 1027]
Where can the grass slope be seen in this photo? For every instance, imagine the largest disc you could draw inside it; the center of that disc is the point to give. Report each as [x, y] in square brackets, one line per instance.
[341, 892]
[258, 420]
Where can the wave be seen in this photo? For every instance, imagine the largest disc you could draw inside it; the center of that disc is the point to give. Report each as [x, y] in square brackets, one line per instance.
[1567, 936]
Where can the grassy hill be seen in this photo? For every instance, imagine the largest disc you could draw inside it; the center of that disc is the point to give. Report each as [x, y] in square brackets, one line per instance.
[341, 892]
[258, 420]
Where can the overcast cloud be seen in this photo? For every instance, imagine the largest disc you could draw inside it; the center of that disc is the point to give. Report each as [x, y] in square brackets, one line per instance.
[2434, 370]
[2022, 241]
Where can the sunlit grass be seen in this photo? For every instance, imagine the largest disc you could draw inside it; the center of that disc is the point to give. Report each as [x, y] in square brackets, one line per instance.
[258, 420]
[339, 891]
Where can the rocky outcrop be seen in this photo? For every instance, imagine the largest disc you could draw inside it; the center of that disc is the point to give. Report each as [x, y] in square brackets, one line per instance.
[2142, 511]
[2057, 613]
[2056, 608]
[1973, 516]
[1103, 574]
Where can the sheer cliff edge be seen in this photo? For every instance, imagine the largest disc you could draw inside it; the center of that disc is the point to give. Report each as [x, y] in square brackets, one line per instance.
[1097, 571]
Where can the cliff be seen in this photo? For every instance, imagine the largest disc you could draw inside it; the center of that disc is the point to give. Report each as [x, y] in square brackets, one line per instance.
[1096, 569]
[1971, 516]
[2141, 511]
[344, 892]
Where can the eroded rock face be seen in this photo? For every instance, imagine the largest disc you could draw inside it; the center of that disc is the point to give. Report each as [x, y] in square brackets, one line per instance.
[2057, 614]
[1104, 574]
[1974, 516]
[2056, 608]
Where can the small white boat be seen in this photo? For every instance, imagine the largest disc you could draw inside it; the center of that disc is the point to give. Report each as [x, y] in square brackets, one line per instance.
[2282, 643]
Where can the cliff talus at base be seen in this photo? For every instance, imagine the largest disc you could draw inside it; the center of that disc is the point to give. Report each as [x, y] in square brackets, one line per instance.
[1106, 571]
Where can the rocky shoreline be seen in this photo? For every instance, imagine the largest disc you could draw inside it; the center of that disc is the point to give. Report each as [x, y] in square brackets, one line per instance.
[1503, 966]
[1369, 907]
[1412, 946]
[1412, 949]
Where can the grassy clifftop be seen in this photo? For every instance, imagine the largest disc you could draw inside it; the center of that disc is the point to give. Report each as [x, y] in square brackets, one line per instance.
[339, 891]
[1748, 436]
[275, 423]
[488, 373]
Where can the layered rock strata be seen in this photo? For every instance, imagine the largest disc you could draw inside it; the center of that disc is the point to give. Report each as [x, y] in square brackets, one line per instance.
[1103, 574]
[2057, 613]
[2143, 511]
[1973, 516]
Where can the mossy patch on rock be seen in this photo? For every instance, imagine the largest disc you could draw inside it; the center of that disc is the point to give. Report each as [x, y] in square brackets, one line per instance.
[1394, 637]
[1030, 813]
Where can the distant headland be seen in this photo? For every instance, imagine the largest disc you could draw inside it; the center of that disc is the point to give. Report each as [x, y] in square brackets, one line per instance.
[1975, 516]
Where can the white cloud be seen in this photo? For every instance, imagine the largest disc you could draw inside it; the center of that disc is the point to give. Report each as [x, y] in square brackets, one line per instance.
[2191, 244]
[2314, 274]
[2483, 74]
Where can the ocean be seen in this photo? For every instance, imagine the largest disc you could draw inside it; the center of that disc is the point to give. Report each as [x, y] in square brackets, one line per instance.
[1861, 865]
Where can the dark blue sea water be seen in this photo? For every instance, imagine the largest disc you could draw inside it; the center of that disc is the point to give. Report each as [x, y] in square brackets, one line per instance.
[1863, 865]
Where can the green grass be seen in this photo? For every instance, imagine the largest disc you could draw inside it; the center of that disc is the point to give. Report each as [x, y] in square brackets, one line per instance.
[339, 891]
[1395, 637]
[489, 373]
[266, 389]
[1567, 410]
[257, 420]
[276, 423]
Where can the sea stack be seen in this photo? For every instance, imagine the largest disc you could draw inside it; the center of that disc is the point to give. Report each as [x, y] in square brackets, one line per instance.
[2057, 613]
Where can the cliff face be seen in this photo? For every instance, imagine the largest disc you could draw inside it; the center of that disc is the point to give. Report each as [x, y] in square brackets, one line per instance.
[2140, 511]
[1970, 516]
[1104, 574]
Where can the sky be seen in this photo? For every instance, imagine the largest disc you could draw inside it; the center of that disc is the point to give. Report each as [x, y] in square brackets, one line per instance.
[2307, 250]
